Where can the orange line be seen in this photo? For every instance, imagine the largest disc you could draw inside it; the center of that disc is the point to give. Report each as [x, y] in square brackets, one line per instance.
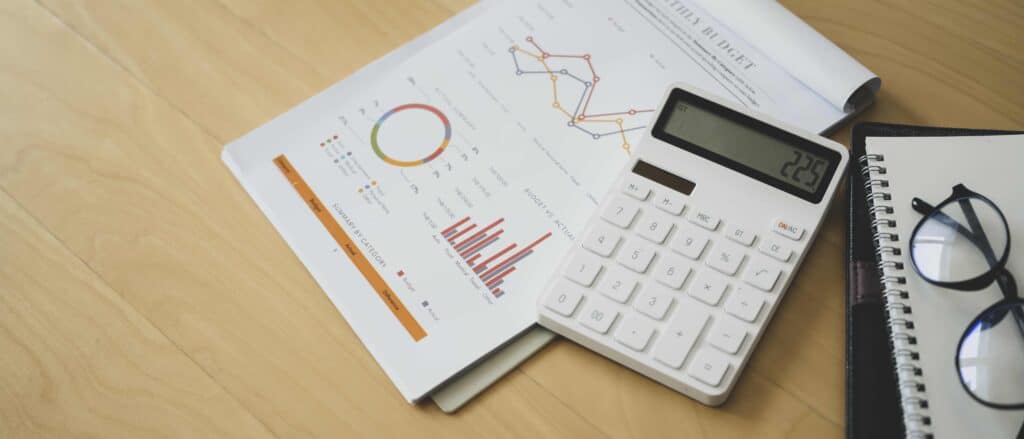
[358, 259]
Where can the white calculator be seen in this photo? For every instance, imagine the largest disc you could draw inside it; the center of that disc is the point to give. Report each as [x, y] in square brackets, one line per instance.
[688, 256]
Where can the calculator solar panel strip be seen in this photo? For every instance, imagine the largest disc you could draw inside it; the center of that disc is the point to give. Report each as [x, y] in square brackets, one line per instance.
[689, 255]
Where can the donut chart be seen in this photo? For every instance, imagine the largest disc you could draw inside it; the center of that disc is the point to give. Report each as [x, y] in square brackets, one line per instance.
[374, 142]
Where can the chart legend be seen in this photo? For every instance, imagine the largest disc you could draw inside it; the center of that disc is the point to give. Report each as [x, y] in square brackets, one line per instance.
[476, 246]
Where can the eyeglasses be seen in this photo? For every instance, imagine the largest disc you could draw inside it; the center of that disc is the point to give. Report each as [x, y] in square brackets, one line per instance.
[963, 244]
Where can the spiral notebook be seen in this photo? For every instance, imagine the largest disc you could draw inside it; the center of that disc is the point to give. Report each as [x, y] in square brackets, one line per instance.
[925, 321]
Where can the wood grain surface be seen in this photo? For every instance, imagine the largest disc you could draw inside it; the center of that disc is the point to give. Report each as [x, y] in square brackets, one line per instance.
[142, 293]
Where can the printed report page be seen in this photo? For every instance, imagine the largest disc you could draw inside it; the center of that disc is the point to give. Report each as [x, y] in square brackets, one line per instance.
[433, 207]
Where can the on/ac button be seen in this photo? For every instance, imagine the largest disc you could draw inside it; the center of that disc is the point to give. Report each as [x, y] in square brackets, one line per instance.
[787, 229]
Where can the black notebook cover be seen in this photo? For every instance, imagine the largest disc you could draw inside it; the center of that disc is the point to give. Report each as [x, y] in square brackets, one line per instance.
[873, 407]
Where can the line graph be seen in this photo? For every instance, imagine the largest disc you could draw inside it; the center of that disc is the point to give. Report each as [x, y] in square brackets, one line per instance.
[597, 124]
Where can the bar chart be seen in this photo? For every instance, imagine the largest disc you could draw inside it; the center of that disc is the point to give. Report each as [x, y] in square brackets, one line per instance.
[479, 247]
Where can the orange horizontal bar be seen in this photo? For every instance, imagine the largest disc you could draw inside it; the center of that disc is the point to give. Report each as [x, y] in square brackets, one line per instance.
[358, 259]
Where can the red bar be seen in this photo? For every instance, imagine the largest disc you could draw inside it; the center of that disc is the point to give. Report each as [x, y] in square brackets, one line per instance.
[482, 243]
[445, 231]
[470, 260]
[520, 252]
[496, 291]
[463, 232]
[495, 280]
[477, 234]
[496, 255]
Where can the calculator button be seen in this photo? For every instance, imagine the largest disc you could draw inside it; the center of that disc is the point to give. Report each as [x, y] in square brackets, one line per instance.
[708, 366]
[787, 229]
[598, 314]
[675, 344]
[725, 258]
[727, 334]
[637, 188]
[602, 240]
[670, 202]
[582, 269]
[618, 284]
[744, 304]
[708, 287]
[762, 275]
[653, 302]
[672, 271]
[704, 219]
[654, 227]
[776, 250]
[564, 298]
[739, 234]
[688, 243]
[635, 332]
[635, 256]
[620, 212]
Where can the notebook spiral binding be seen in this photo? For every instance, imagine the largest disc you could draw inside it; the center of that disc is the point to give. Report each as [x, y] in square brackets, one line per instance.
[903, 339]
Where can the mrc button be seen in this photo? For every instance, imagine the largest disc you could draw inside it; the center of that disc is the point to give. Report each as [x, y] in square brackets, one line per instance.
[787, 229]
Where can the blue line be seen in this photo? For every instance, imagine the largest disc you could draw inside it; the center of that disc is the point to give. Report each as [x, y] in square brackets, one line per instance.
[622, 131]
[474, 241]
[501, 268]
[576, 112]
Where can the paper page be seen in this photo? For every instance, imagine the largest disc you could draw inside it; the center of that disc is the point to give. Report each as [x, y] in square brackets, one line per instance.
[797, 47]
[432, 206]
[928, 168]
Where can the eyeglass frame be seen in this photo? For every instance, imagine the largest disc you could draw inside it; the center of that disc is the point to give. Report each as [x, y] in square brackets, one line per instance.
[997, 272]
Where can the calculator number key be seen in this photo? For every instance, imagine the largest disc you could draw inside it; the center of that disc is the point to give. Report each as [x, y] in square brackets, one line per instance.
[725, 258]
[653, 302]
[636, 256]
[602, 240]
[672, 271]
[620, 212]
[564, 298]
[618, 284]
[654, 228]
[583, 269]
[689, 244]
[598, 315]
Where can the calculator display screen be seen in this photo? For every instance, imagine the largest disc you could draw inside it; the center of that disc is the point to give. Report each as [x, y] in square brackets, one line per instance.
[760, 150]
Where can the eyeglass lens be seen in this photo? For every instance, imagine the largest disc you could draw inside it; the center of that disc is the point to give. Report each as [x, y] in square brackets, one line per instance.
[991, 355]
[959, 241]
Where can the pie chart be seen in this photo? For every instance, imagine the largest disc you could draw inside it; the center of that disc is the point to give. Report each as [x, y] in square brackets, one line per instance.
[410, 135]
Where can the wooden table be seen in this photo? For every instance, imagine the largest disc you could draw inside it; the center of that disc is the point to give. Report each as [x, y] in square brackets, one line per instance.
[142, 293]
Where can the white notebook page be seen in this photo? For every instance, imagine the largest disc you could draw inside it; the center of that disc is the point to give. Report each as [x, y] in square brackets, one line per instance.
[928, 168]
